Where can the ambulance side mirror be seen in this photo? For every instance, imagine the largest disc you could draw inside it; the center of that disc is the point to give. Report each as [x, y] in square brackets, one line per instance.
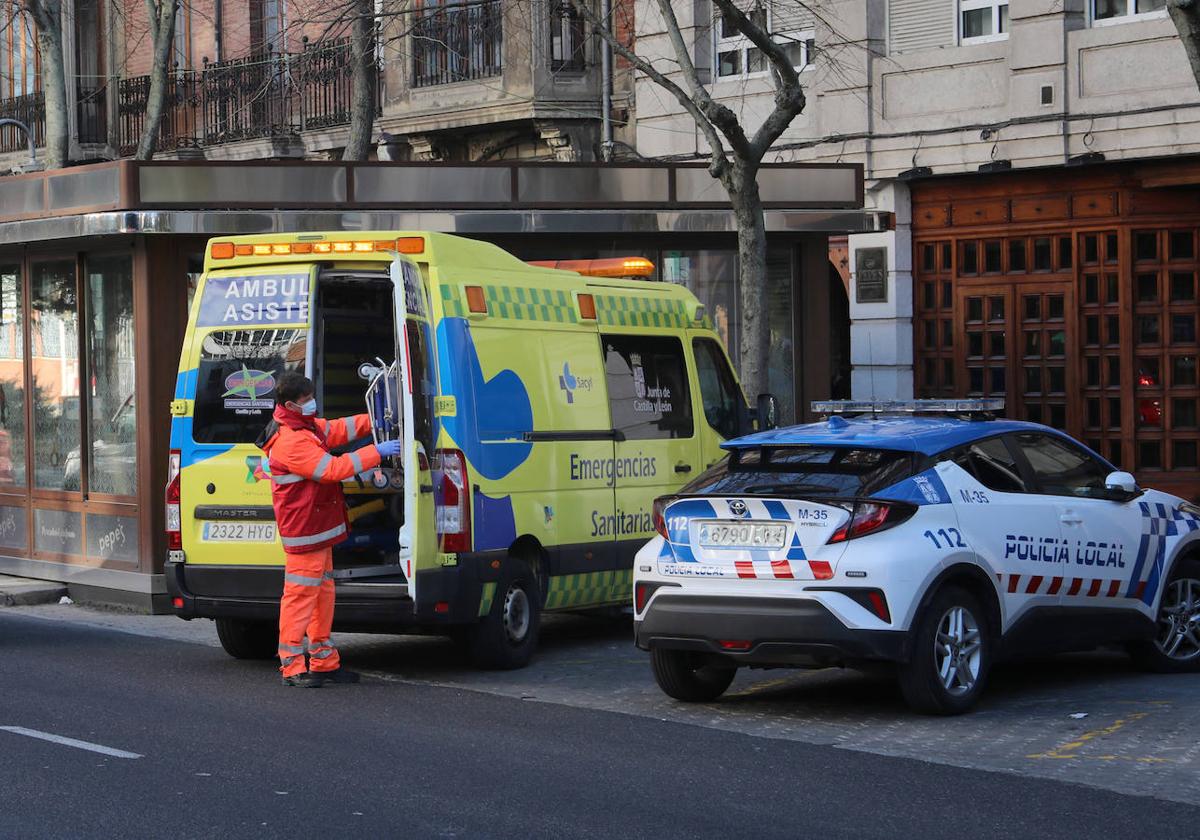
[767, 412]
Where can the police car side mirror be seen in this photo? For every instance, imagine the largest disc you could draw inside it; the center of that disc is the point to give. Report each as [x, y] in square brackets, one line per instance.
[767, 412]
[1121, 486]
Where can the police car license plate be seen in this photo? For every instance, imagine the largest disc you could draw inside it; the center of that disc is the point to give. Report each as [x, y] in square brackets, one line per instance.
[239, 532]
[765, 535]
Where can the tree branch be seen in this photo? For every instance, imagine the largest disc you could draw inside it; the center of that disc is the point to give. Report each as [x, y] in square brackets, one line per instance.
[720, 162]
[789, 93]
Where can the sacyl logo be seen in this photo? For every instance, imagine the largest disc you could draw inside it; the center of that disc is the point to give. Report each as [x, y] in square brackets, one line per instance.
[569, 383]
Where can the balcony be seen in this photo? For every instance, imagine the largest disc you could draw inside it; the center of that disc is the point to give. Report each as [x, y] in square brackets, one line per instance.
[457, 44]
[265, 95]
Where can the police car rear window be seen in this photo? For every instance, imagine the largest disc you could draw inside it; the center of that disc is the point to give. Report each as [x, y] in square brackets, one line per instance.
[818, 471]
[235, 388]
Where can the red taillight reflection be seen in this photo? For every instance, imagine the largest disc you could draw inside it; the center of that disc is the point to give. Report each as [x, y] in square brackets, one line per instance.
[735, 644]
[660, 522]
[174, 518]
[865, 518]
[453, 502]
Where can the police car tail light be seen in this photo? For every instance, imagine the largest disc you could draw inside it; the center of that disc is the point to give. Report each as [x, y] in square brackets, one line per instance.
[660, 522]
[870, 517]
[453, 503]
[174, 519]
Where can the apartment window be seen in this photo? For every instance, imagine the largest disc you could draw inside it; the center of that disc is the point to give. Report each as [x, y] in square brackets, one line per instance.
[18, 53]
[1119, 11]
[566, 37]
[980, 21]
[737, 57]
[267, 25]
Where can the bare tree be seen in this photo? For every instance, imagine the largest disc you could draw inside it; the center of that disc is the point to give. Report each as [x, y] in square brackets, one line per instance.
[1186, 16]
[47, 18]
[735, 155]
[364, 81]
[160, 16]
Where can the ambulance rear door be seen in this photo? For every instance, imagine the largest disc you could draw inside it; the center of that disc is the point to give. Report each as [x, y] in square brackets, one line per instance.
[417, 387]
[250, 325]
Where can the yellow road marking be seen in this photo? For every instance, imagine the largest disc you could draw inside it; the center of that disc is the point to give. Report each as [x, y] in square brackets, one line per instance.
[1071, 748]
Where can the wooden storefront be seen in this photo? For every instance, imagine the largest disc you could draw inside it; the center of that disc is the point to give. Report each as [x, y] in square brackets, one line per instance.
[1073, 294]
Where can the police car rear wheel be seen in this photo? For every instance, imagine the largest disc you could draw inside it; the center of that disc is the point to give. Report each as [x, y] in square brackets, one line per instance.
[951, 655]
[1176, 645]
[689, 676]
[248, 639]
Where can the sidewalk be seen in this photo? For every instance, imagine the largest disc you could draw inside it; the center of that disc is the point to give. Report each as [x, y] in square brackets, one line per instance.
[20, 592]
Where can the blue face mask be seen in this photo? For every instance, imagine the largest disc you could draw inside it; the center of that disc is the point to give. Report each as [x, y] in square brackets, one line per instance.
[309, 408]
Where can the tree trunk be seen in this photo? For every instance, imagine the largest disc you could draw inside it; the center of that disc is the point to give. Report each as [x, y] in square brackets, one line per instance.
[1185, 14]
[163, 29]
[362, 83]
[742, 185]
[47, 14]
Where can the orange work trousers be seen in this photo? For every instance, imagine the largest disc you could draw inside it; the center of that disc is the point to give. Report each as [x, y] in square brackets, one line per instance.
[307, 610]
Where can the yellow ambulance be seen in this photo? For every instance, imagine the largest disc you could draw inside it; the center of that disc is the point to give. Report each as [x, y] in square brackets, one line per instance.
[541, 412]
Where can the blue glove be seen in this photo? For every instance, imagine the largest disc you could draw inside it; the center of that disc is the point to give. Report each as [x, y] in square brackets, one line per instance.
[389, 448]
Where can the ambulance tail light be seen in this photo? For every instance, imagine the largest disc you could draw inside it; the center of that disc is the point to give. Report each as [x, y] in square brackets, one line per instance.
[870, 518]
[453, 503]
[174, 518]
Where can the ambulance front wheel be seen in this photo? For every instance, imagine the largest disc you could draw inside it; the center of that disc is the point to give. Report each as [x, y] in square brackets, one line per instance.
[506, 637]
[248, 639]
[690, 676]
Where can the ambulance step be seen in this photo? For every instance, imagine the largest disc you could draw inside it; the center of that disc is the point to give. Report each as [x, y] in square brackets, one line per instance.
[357, 572]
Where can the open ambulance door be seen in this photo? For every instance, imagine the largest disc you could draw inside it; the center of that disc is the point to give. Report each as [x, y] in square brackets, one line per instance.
[416, 386]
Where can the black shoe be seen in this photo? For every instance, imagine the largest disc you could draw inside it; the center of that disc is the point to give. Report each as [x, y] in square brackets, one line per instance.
[341, 676]
[299, 680]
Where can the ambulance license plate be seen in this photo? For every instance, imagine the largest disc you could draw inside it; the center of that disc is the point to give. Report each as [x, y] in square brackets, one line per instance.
[765, 535]
[238, 532]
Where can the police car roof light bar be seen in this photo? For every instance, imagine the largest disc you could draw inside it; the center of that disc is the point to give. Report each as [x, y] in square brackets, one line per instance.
[989, 406]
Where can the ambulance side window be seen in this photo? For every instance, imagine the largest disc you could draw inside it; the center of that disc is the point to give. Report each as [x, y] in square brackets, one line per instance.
[648, 389]
[235, 384]
[718, 389]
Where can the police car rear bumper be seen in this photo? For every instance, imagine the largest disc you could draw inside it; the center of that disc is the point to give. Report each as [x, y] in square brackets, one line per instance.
[778, 631]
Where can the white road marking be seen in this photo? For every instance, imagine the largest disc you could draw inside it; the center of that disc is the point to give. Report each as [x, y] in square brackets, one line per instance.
[70, 742]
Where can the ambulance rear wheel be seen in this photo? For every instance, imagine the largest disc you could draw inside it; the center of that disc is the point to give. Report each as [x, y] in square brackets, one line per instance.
[248, 639]
[689, 676]
[506, 637]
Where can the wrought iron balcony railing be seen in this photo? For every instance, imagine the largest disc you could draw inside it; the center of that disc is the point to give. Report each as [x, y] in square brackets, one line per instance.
[457, 44]
[265, 95]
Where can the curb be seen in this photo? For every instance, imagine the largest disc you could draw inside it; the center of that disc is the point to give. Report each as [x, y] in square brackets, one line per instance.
[21, 592]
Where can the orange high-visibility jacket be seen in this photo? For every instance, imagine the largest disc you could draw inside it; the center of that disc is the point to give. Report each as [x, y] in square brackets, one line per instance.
[306, 480]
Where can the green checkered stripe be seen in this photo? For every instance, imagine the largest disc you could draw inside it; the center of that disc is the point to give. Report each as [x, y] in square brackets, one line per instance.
[515, 303]
[623, 311]
[583, 590]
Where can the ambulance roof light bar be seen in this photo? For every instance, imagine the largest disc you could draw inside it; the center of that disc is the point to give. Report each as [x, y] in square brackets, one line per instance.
[988, 407]
[603, 267]
[229, 250]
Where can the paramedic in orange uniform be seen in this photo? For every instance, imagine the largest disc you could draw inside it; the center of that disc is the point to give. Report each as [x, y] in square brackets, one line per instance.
[310, 510]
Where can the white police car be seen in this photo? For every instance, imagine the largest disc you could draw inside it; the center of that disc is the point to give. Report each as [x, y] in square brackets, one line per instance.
[940, 543]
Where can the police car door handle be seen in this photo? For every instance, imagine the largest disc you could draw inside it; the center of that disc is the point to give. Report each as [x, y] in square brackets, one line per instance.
[683, 468]
[1071, 519]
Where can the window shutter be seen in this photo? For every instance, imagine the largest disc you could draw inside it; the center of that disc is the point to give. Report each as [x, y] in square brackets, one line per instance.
[790, 16]
[920, 24]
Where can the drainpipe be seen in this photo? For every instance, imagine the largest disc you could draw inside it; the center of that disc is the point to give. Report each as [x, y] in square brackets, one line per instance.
[606, 87]
[217, 29]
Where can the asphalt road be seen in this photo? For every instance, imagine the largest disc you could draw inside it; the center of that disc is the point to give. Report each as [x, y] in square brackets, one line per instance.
[227, 752]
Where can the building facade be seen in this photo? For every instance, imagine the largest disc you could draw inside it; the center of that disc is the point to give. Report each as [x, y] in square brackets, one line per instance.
[253, 79]
[1040, 159]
